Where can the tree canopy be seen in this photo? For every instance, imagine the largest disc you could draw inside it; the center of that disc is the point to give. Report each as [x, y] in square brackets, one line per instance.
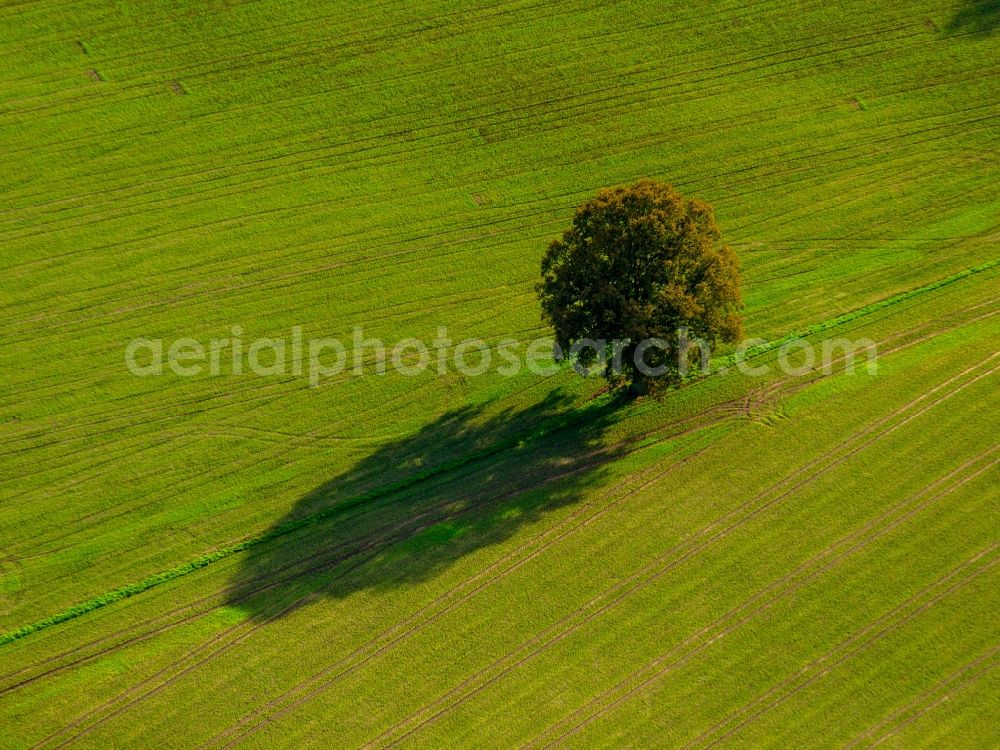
[641, 273]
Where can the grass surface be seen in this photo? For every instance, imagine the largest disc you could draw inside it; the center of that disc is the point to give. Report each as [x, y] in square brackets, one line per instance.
[488, 561]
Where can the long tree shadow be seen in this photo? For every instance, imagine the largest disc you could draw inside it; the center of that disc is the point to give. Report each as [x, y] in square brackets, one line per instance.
[417, 505]
[980, 17]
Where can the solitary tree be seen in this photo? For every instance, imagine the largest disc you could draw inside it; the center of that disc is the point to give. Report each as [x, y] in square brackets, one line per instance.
[640, 275]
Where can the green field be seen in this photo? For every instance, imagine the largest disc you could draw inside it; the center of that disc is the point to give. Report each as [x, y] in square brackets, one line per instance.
[489, 561]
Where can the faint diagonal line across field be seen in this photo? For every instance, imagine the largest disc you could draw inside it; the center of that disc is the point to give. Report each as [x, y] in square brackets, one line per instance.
[242, 636]
[930, 699]
[902, 409]
[427, 614]
[817, 565]
[809, 674]
[758, 400]
[668, 561]
[762, 397]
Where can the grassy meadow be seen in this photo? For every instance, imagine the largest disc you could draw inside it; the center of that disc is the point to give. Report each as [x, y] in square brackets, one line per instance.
[489, 561]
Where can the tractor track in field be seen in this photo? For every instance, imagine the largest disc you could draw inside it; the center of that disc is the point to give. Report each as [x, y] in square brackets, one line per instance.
[366, 39]
[350, 38]
[241, 638]
[922, 86]
[939, 693]
[667, 561]
[333, 553]
[297, 252]
[713, 636]
[93, 98]
[294, 278]
[315, 437]
[183, 486]
[101, 516]
[457, 595]
[366, 654]
[708, 418]
[148, 419]
[108, 417]
[809, 568]
[953, 315]
[941, 700]
[297, 260]
[159, 409]
[685, 425]
[890, 626]
[759, 400]
[288, 102]
[459, 127]
[753, 401]
[696, 422]
[299, 602]
[126, 413]
[178, 396]
[808, 674]
[167, 28]
[188, 669]
[315, 153]
[379, 155]
[254, 284]
[251, 61]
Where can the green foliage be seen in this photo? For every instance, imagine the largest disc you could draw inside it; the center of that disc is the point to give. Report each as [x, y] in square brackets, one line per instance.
[641, 263]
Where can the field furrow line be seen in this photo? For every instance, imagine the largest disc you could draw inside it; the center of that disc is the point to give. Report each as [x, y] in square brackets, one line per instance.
[297, 603]
[942, 691]
[664, 563]
[648, 675]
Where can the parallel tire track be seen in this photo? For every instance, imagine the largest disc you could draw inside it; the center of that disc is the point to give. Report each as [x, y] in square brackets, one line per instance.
[671, 559]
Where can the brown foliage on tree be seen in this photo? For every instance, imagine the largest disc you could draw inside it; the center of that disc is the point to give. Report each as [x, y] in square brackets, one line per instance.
[641, 262]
